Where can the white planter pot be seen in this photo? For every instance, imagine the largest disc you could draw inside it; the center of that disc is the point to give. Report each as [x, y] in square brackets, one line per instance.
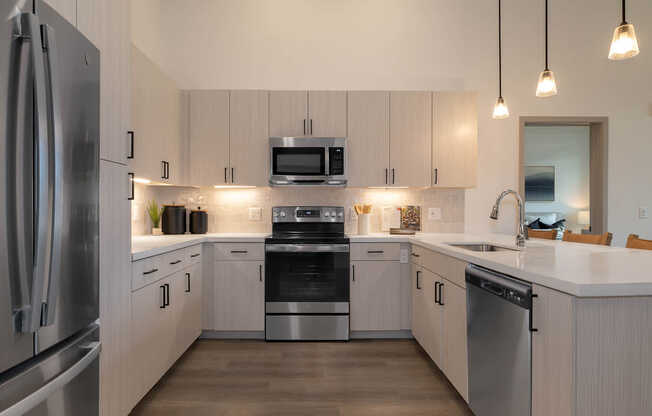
[157, 231]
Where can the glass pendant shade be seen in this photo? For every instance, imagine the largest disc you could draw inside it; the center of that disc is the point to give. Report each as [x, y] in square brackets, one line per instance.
[500, 109]
[624, 44]
[547, 86]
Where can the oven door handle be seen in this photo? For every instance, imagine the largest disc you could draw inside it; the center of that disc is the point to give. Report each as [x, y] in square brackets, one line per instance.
[307, 248]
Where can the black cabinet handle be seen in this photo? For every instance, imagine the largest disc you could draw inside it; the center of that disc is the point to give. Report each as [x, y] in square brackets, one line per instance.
[414, 255]
[441, 287]
[375, 251]
[232, 175]
[166, 170]
[239, 252]
[386, 176]
[393, 176]
[436, 287]
[163, 305]
[532, 329]
[310, 126]
[167, 164]
[195, 255]
[304, 126]
[172, 263]
[167, 289]
[150, 272]
[418, 287]
[260, 272]
[225, 173]
[436, 176]
[353, 267]
[188, 277]
[131, 145]
[132, 185]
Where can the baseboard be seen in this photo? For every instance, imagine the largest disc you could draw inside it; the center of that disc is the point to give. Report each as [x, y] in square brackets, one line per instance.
[402, 334]
[232, 335]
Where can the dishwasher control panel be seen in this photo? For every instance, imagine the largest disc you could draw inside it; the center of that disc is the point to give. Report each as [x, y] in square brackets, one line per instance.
[511, 289]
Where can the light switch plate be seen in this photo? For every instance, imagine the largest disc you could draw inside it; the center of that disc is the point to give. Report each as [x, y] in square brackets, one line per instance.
[434, 214]
[255, 214]
[643, 213]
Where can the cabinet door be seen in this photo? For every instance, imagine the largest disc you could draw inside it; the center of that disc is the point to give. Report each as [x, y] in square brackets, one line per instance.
[150, 339]
[455, 358]
[552, 353]
[115, 286]
[327, 113]
[191, 315]
[418, 304]
[410, 138]
[249, 138]
[106, 24]
[433, 317]
[239, 296]
[66, 8]
[209, 138]
[288, 113]
[455, 139]
[376, 296]
[176, 322]
[368, 138]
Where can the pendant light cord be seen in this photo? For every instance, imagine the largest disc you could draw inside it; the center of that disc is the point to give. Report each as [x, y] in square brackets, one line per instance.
[547, 69]
[624, 19]
[500, 53]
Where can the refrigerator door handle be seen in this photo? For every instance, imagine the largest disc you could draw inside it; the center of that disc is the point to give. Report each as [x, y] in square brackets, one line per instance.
[56, 161]
[42, 394]
[42, 206]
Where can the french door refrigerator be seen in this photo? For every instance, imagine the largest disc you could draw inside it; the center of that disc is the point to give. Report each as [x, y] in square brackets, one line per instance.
[49, 214]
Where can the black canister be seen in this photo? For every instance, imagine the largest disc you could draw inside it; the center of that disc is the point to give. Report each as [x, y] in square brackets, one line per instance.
[198, 221]
[174, 219]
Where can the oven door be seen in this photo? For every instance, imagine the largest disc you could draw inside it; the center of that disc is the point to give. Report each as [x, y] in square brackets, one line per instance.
[307, 278]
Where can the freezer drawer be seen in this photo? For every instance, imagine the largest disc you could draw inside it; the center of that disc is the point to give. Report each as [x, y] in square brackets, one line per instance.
[63, 381]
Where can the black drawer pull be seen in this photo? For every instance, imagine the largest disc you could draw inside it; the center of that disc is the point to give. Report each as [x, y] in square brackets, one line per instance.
[172, 263]
[188, 277]
[150, 272]
[239, 252]
[415, 255]
[195, 255]
[375, 252]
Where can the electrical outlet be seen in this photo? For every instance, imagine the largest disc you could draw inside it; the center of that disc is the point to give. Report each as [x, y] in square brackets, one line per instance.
[255, 214]
[643, 213]
[434, 214]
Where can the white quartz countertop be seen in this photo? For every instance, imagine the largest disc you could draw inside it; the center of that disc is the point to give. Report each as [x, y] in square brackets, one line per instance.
[578, 269]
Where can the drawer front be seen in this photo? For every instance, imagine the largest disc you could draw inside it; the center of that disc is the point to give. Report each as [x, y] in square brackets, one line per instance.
[176, 260]
[375, 251]
[194, 254]
[146, 271]
[239, 251]
[447, 267]
[417, 255]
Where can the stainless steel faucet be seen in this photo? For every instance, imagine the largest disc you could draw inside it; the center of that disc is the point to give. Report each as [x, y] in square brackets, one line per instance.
[522, 235]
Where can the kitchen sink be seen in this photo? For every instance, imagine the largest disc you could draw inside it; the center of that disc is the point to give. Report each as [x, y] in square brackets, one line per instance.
[481, 247]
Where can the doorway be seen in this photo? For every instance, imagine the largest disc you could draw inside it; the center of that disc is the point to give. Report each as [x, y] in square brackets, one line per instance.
[563, 172]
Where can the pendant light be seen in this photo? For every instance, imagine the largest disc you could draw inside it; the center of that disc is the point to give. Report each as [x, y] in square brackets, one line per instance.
[500, 109]
[547, 86]
[624, 44]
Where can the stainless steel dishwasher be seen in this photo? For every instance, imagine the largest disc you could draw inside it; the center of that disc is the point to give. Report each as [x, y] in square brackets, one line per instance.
[499, 343]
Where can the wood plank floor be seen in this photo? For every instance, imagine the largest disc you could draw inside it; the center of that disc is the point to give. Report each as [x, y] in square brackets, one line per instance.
[241, 378]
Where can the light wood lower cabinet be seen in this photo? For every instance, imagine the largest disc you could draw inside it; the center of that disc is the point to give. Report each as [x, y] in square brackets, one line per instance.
[454, 340]
[238, 296]
[375, 296]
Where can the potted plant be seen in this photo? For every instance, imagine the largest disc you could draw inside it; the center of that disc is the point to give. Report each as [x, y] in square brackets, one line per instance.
[155, 216]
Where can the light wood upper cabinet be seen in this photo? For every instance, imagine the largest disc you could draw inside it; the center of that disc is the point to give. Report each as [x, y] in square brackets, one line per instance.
[410, 138]
[368, 138]
[249, 138]
[376, 296]
[327, 113]
[66, 8]
[209, 138]
[288, 113]
[455, 139]
[454, 348]
[239, 296]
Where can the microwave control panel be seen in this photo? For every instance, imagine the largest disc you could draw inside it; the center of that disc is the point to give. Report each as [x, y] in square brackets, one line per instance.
[336, 161]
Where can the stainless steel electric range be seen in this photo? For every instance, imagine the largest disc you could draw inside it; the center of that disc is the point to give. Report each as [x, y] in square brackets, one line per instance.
[307, 275]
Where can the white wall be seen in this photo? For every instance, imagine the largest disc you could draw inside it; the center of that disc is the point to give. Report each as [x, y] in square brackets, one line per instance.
[430, 45]
[567, 149]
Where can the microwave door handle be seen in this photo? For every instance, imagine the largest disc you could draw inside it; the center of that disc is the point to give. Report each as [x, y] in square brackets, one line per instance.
[54, 101]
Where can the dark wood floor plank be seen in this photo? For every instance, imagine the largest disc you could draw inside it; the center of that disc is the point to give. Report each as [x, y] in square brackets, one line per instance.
[251, 378]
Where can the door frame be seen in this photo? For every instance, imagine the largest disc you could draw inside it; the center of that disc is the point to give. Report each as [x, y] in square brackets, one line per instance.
[598, 160]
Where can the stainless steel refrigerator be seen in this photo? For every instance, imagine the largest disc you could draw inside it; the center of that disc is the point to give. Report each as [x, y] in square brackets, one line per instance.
[49, 214]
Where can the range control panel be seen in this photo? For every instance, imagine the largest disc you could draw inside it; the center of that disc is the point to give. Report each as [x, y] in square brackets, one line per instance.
[308, 214]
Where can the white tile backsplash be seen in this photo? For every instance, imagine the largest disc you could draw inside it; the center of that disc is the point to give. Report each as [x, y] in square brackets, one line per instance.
[228, 209]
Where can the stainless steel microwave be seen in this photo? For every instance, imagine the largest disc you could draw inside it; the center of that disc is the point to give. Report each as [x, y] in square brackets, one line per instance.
[308, 161]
